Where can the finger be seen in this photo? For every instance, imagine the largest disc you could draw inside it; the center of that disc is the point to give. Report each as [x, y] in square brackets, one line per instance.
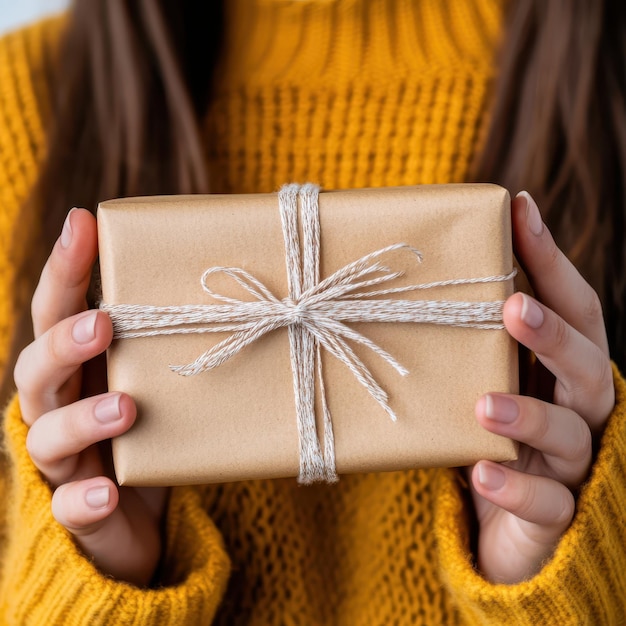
[89, 510]
[554, 278]
[83, 506]
[560, 434]
[45, 366]
[65, 277]
[583, 371]
[529, 514]
[545, 504]
[55, 440]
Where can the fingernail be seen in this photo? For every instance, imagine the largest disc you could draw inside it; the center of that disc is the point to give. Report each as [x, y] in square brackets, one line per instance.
[84, 329]
[97, 497]
[531, 314]
[108, 409]
[533, 217]
[66, 233]
[501, 408]
[491, 476]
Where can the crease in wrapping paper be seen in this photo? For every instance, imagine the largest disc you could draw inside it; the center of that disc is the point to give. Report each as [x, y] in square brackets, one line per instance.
[238, 421]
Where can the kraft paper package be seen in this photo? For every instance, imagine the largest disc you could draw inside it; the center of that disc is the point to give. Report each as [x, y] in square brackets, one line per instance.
[262, 411]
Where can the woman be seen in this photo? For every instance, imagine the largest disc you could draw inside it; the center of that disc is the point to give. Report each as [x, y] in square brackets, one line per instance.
[346, 93]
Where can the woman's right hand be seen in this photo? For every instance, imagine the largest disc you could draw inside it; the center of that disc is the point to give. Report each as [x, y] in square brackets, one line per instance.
[118, 528]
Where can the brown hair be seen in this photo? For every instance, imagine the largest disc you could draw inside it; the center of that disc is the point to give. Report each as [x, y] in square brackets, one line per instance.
[558, 129]
[131, 85]
[133, 80]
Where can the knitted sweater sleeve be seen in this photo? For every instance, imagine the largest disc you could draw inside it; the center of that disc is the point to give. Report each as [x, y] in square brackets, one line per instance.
[46, 580]
[583, 582]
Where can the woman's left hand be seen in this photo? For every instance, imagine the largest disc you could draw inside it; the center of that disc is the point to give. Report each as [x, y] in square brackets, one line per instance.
[523, 507]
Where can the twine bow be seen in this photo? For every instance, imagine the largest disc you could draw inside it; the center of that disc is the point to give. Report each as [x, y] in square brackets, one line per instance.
[316, 314]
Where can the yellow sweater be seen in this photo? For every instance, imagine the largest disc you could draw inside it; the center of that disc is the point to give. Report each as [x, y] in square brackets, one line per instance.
[347, 93]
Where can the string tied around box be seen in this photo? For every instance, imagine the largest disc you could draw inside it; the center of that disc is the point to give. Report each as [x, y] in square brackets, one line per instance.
[316, 314]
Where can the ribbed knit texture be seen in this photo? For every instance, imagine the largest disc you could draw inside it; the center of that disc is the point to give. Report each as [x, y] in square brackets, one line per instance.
[345, 93]
[349, 93]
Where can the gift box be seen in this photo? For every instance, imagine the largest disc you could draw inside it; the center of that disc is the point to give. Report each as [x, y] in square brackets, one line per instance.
[297, 334]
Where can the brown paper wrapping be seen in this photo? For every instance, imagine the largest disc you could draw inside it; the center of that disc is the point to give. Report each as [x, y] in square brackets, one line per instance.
[238, 421]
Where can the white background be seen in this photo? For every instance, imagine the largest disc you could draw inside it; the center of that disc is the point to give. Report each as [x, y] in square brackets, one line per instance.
[16, 13]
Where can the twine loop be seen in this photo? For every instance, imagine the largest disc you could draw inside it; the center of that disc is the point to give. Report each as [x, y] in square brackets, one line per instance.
[316, 313]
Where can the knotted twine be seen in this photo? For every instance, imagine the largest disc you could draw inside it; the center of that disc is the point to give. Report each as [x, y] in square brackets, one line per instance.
[315, 313]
